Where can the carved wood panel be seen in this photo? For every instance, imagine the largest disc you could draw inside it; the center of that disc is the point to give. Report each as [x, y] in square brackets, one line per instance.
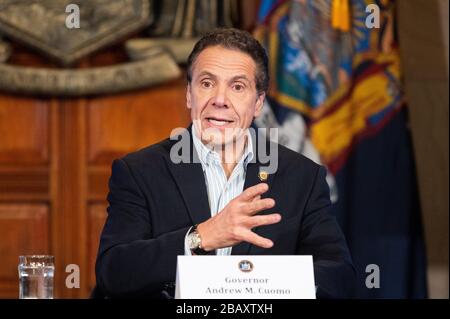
[23, 130]
[24, 229]
[24, 183]
[123, 123]
[55, 161]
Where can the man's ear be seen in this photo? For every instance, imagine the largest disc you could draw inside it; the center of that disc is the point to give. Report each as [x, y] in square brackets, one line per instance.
[188, 96]
[259, 104]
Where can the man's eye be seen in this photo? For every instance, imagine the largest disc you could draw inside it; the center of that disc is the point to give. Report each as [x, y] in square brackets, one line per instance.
[238, 87]
[206, 84]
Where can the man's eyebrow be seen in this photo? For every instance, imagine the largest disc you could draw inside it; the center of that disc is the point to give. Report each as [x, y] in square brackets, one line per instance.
[233, 79]
[240, 77]
[203, 73]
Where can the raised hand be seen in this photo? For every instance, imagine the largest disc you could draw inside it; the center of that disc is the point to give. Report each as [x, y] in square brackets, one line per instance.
[235, 222]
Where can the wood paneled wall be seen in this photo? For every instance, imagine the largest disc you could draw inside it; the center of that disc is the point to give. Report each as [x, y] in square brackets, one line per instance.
[55, 161]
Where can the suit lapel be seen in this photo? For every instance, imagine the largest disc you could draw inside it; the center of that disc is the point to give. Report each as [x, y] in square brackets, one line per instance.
[190, 180]
[251, 179]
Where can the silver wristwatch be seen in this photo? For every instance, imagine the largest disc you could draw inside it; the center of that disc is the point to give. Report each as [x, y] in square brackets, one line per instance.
[195, 242]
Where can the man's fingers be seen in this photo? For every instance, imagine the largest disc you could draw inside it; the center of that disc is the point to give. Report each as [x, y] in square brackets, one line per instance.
[259, 205]
[257, 240]
[254, 191]
[262, 220]
[257, 198]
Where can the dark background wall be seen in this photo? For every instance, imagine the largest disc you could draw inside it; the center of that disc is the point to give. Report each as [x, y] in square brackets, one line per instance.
[423, 32]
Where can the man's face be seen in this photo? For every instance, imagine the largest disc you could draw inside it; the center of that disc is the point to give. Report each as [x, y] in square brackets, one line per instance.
[222, 95]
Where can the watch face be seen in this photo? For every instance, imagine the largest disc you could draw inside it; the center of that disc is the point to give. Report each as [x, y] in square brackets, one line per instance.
[193, 241]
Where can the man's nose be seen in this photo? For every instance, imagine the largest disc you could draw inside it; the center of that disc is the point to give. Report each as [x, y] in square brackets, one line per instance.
[220, 97]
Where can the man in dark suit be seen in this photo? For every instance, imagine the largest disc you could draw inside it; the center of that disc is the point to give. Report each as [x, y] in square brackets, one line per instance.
[222, 200]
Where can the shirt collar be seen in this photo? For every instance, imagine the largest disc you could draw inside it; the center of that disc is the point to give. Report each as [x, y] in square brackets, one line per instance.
[207, 155]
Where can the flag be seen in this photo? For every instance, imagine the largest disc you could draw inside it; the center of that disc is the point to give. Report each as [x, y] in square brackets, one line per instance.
[334, 67]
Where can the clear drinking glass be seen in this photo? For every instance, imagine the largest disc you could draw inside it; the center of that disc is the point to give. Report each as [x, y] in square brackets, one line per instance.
[36, 276]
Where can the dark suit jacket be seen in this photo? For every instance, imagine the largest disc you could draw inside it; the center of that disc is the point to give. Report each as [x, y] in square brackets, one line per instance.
[153, 202]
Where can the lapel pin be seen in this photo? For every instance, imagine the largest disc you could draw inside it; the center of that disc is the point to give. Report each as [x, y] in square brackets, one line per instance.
[263, 176]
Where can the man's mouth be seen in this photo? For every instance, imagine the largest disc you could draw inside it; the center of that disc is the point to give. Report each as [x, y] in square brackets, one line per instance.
[218, 121]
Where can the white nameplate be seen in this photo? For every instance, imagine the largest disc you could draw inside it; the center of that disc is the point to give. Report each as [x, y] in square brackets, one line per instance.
[245, 277]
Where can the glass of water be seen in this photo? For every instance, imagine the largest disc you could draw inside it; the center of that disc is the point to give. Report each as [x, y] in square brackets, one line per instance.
[36, 276]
